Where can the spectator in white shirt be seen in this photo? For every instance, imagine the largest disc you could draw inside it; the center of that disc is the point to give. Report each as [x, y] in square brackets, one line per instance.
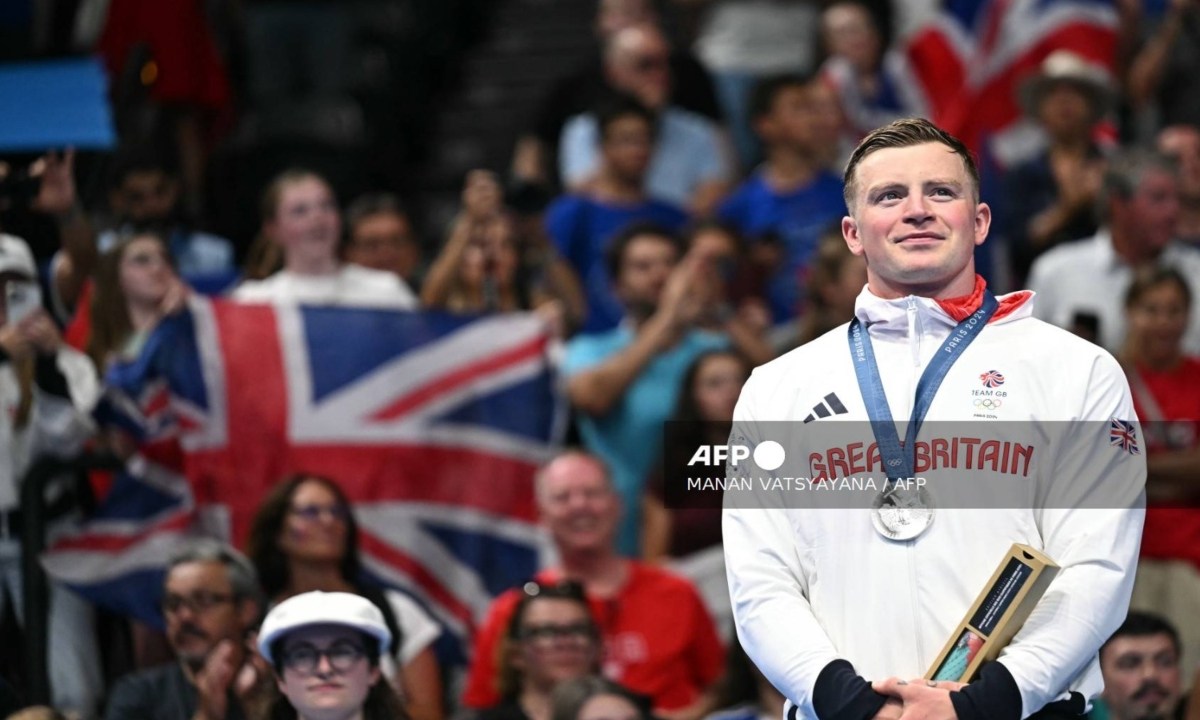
[300, 216]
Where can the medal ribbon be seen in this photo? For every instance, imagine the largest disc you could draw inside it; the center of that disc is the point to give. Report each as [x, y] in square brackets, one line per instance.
[898, 459]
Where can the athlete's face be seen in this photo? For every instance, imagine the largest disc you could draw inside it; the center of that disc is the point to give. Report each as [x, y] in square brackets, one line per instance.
[916, 219]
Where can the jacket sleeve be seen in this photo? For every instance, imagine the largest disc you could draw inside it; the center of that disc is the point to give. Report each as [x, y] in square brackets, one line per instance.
[1091, 525]
[769, 593]
[66, 390]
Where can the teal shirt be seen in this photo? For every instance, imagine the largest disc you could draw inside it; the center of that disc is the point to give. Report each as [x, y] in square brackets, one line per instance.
[629, 437]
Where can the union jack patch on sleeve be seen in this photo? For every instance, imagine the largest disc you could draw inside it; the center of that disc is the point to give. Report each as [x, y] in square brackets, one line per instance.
[1124, 435]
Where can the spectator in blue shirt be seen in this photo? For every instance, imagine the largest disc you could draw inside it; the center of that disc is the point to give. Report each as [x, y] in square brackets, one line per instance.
[792, 198]
[624, 383]
[581, 223]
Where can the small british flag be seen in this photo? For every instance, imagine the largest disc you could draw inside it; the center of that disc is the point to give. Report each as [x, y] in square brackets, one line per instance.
[1124, 435]
[992, 379]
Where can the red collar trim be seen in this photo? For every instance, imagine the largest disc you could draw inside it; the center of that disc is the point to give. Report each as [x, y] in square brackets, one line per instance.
[960, 308]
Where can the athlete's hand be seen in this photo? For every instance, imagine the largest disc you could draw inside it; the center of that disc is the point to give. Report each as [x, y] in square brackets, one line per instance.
[891, 710]
[922, 699]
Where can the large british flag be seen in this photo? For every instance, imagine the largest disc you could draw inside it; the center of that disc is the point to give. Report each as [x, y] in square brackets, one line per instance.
[433, 424]
[969, 62]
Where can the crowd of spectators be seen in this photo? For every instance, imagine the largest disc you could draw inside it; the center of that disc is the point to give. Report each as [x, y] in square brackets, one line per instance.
[672, 212]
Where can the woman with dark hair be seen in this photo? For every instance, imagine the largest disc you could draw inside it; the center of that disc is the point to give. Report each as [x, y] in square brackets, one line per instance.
[595, 698]
[304, 538]
[550, 639]
[326, 649]
[1165, 384]
[703, 416]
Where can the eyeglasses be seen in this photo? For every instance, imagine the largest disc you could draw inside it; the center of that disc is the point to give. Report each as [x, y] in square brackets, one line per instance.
[197, 602]
[315, 512]
[546, 634]
[305, 658]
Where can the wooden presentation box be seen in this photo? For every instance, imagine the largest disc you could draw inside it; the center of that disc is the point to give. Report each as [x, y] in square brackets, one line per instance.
[997, 615]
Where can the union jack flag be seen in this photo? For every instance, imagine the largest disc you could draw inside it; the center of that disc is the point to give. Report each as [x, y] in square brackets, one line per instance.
[1123, 434]
[992, 379]
[433, 424]
[969, 61]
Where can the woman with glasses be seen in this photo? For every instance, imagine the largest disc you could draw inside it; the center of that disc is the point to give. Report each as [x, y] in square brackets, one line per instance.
[304, 538]
[326, 650]
[551, 638]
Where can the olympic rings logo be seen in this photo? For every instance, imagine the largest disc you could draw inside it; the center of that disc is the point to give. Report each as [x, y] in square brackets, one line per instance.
[988, 403]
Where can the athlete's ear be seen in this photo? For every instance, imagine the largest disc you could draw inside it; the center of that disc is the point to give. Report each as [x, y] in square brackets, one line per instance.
[850, 233]
[983, 221]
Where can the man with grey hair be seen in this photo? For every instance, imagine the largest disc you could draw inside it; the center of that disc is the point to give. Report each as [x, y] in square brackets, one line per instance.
[1081, 285]
[659, 638]
[211, 603]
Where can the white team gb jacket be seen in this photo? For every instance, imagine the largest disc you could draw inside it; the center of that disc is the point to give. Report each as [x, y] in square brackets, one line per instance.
[812, 586]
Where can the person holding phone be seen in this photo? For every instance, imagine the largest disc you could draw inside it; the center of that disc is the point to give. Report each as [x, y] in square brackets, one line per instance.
[47, 392]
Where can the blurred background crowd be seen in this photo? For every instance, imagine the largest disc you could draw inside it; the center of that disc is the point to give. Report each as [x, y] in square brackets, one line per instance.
[659, 183]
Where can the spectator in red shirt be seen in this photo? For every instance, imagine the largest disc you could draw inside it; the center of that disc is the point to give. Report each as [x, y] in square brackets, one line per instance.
[659, 639]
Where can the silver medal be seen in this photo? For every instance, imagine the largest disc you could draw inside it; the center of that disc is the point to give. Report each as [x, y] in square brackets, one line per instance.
[902, 514]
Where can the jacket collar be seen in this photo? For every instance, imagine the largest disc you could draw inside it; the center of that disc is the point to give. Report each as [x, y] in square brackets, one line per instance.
[892, 315]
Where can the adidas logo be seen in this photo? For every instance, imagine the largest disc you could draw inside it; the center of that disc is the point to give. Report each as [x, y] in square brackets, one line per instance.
[831, 406]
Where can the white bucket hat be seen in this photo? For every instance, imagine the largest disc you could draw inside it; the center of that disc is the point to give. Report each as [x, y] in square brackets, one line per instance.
[322, 608]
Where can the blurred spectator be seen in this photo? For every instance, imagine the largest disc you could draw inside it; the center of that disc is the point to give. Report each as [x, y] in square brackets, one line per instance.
[791, 195]
[594, 698]
[1182, 142]
[145, 194]
[870, 86]
[834, 283]
[56, 197]
[704, 414]
[743, 41]
[738, 282]
[171, 81]
[1140, 664]
[303, 538]
[550, 639]
[536, 153]
[659, 639]
[1051, 198]
[325, 648]
[581, 224]
[47, 393]
[136, 287]
[1083, 283]
[1164, 73]
[1165, 384]
[690, 166]
[381, 237]
[211, 603]
[300, 216]
[625, 382]
[481, 268]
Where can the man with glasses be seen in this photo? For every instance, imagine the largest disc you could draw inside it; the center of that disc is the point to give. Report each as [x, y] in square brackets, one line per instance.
[659, 638]
[211, 603]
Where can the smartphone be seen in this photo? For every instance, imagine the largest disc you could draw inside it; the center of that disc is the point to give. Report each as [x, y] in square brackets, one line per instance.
[21, 299]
